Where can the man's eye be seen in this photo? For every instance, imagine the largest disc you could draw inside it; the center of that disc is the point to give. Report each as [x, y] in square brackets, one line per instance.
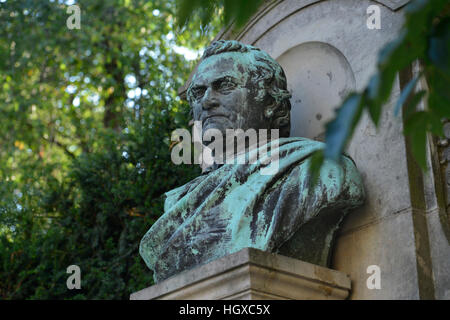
[226, 85]
[198, 93]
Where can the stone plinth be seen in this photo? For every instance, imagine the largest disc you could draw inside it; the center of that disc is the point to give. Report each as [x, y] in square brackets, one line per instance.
[251, 274]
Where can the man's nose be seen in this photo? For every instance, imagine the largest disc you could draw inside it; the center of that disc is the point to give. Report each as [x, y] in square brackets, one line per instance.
[210, 100]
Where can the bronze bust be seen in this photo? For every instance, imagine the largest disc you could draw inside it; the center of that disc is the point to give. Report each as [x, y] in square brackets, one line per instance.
[232, 206]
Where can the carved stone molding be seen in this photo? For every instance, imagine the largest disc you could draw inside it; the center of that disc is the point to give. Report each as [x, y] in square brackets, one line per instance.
[252, 274]
[393, 4]
[443, 151]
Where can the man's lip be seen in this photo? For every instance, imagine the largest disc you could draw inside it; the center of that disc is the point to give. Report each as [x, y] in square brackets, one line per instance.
[212, 116]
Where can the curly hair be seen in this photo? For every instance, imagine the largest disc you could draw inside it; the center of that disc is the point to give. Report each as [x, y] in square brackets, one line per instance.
[267, 75]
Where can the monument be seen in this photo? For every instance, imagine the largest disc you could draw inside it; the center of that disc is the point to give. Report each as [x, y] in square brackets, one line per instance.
[327, 50]
[234, 206]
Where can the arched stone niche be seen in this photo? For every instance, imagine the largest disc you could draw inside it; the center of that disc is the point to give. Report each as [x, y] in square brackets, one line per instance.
[318, 77]
[288, 28]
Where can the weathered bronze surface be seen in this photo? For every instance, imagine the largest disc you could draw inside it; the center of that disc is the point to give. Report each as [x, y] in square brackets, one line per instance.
[233, 206]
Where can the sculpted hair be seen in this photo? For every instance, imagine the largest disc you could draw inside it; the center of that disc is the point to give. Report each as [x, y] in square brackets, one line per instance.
[267, 75]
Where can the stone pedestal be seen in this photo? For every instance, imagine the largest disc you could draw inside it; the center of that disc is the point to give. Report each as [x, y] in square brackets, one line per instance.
[252, 274]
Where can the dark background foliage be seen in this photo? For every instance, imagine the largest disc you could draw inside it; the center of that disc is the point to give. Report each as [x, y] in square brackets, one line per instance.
[85, 123]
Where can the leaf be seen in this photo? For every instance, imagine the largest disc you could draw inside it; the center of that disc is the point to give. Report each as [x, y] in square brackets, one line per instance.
[315, 165]
[339, 130]
[414, 101]
[418, 146]
[241, 10]
[389, 49]
[406, 92]
[439, 93]
[372, 94]
[416, 128]
[435, 124]
[439, 52]
[184, 9]
[378, 91]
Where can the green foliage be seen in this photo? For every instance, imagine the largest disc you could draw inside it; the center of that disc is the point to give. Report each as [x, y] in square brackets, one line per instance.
[344, 123]
[85, 123]
[236, 11]
[425, 37]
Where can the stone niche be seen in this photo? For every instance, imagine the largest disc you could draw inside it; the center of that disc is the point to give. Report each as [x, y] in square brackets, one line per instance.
[327, 50]
[315, 86]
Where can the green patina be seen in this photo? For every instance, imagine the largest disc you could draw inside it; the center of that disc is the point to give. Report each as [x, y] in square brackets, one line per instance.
[234, 206]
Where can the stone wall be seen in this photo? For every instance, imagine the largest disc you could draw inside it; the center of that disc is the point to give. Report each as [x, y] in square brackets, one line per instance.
[327, 50]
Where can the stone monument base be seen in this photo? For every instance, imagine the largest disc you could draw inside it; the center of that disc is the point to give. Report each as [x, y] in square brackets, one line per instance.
[251, 274]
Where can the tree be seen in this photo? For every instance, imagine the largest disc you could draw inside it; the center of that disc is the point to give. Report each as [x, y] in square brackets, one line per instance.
[85, 123]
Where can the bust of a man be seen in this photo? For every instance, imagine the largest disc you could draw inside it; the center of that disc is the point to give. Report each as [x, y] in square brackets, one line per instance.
[232, 206]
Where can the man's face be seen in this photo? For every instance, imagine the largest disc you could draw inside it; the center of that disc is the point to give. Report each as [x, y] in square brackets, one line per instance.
[223, 95]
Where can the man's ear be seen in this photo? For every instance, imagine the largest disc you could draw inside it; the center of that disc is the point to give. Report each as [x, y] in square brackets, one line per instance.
[270, 109]
[262, 80]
